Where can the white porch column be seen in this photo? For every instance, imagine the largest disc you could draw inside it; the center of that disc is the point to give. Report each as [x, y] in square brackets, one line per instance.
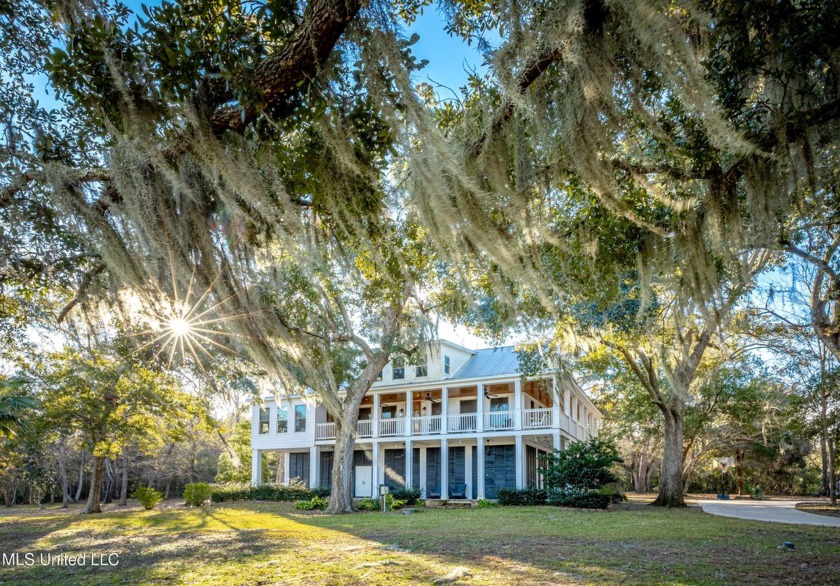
[256, 467]
[377, 415]
[313, 467]
[567, 399]
[517, 404]
[444, 469]
[408, 413]
[555, 403]
[480, 456]
[520, 463]
[468, 468]
[479, 414]
[423, 472]
[377, 474]
[409, 461]
[444, 412]
[555, 440]
[287, 466]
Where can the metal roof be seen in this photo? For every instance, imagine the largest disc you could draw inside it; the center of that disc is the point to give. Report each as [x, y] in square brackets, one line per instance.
[490, 362]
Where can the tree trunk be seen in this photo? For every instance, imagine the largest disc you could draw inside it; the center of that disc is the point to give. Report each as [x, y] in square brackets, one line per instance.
[671, 475]
[832, 471]
[93, 504]
[124, 488]
[66, 499]
[109, 482]
[81, 478]
[341, 493]
[640, 475]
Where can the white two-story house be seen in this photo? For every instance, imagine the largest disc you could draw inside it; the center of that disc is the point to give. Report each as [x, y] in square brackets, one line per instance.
[462, 425]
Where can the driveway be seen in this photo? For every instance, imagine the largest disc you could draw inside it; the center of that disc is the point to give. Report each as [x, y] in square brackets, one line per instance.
[773, 511]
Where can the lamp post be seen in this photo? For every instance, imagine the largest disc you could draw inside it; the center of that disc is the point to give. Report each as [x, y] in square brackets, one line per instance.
[383, 492]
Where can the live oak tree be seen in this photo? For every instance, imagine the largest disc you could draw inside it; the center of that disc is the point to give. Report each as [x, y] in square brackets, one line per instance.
[110, 403]
[682, 120]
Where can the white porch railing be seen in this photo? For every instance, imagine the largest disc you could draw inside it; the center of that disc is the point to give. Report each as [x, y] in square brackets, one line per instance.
[325, 431]
[392, 426]
[499, 420]
[427, 425]
[364, 428]
[536, 418]
[462, 423]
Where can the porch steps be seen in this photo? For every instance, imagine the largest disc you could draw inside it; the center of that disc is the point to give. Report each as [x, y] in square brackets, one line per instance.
[451, 504]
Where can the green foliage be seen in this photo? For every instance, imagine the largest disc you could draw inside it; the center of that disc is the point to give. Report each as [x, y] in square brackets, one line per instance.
[266, 492]
[581, 466]
[15, 408]
[588, 499]
[196, 494]
[392, 503]
[148, 497]
[526, 497]
[615, 494]
[487, 504]
[409, 495]
[316, 503]
[230, 471]
[368, 505]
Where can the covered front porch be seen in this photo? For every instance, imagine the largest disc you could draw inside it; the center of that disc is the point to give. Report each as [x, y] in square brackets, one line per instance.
[468, 468]
[497, 407]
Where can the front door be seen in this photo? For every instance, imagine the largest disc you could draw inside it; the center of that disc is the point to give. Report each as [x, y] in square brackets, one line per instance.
[364, 475]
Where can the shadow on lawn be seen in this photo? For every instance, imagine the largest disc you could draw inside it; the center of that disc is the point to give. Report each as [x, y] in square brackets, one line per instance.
[246, 543]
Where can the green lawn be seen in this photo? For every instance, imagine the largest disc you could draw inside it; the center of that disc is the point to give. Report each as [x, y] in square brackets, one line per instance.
[269, 543]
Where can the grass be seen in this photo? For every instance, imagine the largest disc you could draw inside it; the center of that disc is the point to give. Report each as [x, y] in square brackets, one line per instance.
[820, 508]
[270, 543]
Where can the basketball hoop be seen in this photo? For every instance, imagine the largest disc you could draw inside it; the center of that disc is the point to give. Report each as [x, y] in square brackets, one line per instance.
[725, 463]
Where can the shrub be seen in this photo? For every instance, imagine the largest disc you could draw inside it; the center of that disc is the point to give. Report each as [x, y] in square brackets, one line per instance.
[316, 503]
[590, 499]
[197, 494]
[582, 466]
[510, 497]
[485, 504]
[613, 491]
[392, 503]
[368, 505]
[321, 491]
[409, 495]
[148, 497]
[267, 492]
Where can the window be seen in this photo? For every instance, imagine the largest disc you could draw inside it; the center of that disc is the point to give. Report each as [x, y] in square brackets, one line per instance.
[421, 370]
[399, 368]
[499, 404]
[264, 420]
[469, 406]
[300, 417]
[389, 412]
[282, 420]
[447, 365]
[379, 376]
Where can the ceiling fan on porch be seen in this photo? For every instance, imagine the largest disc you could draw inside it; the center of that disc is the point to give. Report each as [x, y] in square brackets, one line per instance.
[432, 400]
[488, 395]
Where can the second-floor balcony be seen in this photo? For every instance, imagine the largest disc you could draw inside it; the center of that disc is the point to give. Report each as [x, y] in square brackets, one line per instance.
[461, 423]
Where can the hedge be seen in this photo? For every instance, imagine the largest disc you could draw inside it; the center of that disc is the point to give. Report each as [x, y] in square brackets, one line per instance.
[527, 497]
[591, 499]
[221, 493]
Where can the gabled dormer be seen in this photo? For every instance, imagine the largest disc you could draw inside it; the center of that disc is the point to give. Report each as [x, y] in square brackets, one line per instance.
[440, 361]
